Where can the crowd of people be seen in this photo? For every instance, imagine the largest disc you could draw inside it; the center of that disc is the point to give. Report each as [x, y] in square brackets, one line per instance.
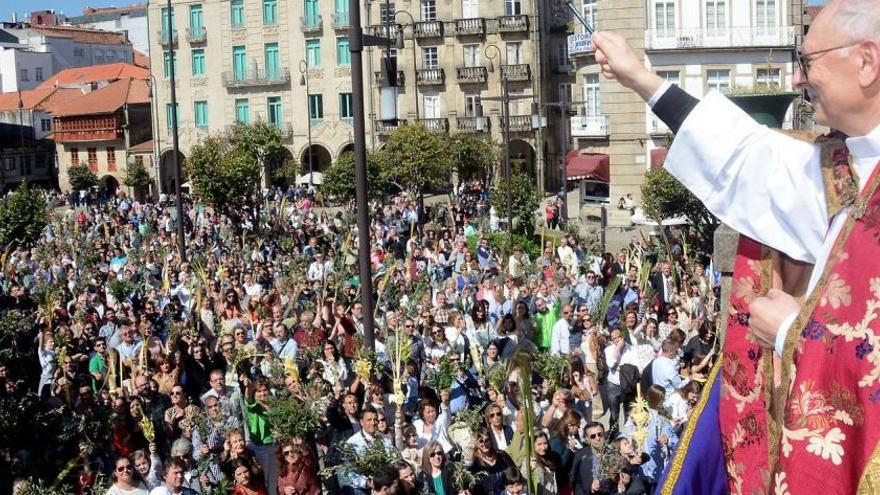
[243, 369]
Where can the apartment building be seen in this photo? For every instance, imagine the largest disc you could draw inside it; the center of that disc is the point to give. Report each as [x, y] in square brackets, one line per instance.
[131, 20]
[701, 45]
[288, 63]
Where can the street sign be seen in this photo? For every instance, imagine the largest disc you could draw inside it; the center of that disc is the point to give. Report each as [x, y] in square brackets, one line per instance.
[580, 43]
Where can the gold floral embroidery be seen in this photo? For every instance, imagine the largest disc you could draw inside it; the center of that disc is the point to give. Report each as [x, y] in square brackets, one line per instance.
[746, 288]
[837, 294]
[862, 331]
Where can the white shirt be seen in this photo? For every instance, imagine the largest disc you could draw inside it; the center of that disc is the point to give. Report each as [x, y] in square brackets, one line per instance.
[559, 334]
[764, 184]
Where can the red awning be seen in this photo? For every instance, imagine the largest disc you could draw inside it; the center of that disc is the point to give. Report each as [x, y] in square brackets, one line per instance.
[658, 156]
[588, 166]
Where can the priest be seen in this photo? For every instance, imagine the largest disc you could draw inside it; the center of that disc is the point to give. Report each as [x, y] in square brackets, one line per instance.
[815, 203]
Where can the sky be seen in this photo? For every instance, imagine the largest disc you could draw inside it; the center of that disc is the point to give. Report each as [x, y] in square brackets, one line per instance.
[74, 7]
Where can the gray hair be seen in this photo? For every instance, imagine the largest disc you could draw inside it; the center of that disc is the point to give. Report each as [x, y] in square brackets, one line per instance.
[860, 19]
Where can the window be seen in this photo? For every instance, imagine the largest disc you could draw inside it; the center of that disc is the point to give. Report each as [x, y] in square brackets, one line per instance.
[313, 52]
[270, 11]
[166, 14]
[93, 159]
[672, 76]
[768, 76]
[38, 73]
[471, 102]
[236, 13]
[346, 110]
[514, 53]
[566, 91]
[562, 56]
[589, 8]
[716, 17]
[343, 56]
[198, 63]
[273, 105]
[429, 10]
[342, 11]
[431, 104]
[592, 101]
[99, 55]
[9, 164]
[386, 13]
[111, 56]
[79, 52]
[470, 9]
[167, 64]
[664, 17]
[765, 15]
[24, 75]
[311, 12]
[196, 23]
[316, 108]
[171, 115]
[471, 55]
[26, 161]
[45, 125]
[200, 109]
[239, 63]
[74, 156]
[273, 61]
[242, 111]
[111, 159]
[139, 160]
[718, 80]
[512, 7]
[429, 57]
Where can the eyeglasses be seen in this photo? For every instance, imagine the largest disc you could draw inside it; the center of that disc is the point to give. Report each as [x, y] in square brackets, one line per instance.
[287, 452]
[177, 392]
[805, 60]
[436, 454]
[382, 420]
[595, 435]
[495, 415]
[127, 467]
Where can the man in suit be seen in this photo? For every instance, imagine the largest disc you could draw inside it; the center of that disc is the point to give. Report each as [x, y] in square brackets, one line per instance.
[664, 283]
[583, 469]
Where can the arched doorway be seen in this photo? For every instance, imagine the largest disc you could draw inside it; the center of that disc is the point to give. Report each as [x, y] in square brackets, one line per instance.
[522, 158]
[286, 172]
[320, 158]
[167, 173]
[345, 149]
[109, 185]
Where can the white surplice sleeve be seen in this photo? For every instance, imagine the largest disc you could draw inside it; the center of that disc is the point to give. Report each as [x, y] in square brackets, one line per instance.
[763, 184]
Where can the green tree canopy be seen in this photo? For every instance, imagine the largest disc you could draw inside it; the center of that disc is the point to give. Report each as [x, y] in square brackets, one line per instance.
[473, 155]
[23, 214]
[525, 199]
[81, 178]
[225, 175]
[339, 179]
[415, 158]
[262, 143]
[663, 196]
[137, 175]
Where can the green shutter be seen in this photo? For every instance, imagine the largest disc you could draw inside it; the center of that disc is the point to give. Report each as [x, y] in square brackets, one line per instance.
[239, 63]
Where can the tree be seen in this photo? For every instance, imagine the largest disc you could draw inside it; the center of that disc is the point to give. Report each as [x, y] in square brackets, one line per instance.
[525, 199]
[339, 179]
[23, 215]
[262, 143]
[81, 178]
[663, 196]
[473, 155]
[225, 175]
[415, 158]
[137, 175]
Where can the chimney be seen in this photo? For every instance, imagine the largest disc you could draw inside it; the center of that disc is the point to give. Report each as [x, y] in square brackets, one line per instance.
[14, 17]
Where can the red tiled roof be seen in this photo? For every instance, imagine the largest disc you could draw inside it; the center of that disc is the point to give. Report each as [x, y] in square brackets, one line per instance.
[141, 60]
[107, 99]
[95, 73]
[82, 35]
[145, 147]
[45, 99]
[112, 10]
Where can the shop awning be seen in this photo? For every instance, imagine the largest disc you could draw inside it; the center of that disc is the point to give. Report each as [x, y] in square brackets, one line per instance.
[587, 166]
[658, 156]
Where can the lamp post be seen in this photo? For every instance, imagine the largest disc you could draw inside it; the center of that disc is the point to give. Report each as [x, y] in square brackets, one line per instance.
[505, 130]
[175, 145]
[399, 44]
[304, 81]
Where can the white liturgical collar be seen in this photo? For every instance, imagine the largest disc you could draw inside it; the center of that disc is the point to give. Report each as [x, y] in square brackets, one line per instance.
[866, 153]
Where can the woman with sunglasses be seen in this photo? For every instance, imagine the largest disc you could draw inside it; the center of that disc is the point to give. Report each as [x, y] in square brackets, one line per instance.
[176, 416]
[125, 480]
[435, 474]
[297, 469]
[490, 462]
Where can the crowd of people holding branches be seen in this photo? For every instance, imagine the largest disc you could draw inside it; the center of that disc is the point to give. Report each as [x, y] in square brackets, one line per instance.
[545, 367]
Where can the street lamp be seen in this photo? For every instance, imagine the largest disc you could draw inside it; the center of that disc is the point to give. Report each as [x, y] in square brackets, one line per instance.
[399, 44]
[505, 130]
[304, 81]
[175, 145]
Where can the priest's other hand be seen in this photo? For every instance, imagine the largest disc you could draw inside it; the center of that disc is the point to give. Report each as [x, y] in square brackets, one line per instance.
[767, 314]
[619, 61]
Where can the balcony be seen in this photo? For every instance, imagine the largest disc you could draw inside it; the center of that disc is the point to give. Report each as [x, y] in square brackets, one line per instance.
[465, 27]
[285, 129]
[435, 124]
[383, 128]
[382, 31]
[165, 37]
[589, 126]
[469, 124]
[517, 73]
[656, 127]
[311, 24]
[256, 77]
[340, 20]
[513, 23]
[470, 75]
[380, 78]
[518, 123]
[429, 29]
[733, 37]
[196, 35]
[430, 77]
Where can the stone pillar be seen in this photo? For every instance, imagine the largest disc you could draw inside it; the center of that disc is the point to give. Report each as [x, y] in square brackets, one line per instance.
[724, 256]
